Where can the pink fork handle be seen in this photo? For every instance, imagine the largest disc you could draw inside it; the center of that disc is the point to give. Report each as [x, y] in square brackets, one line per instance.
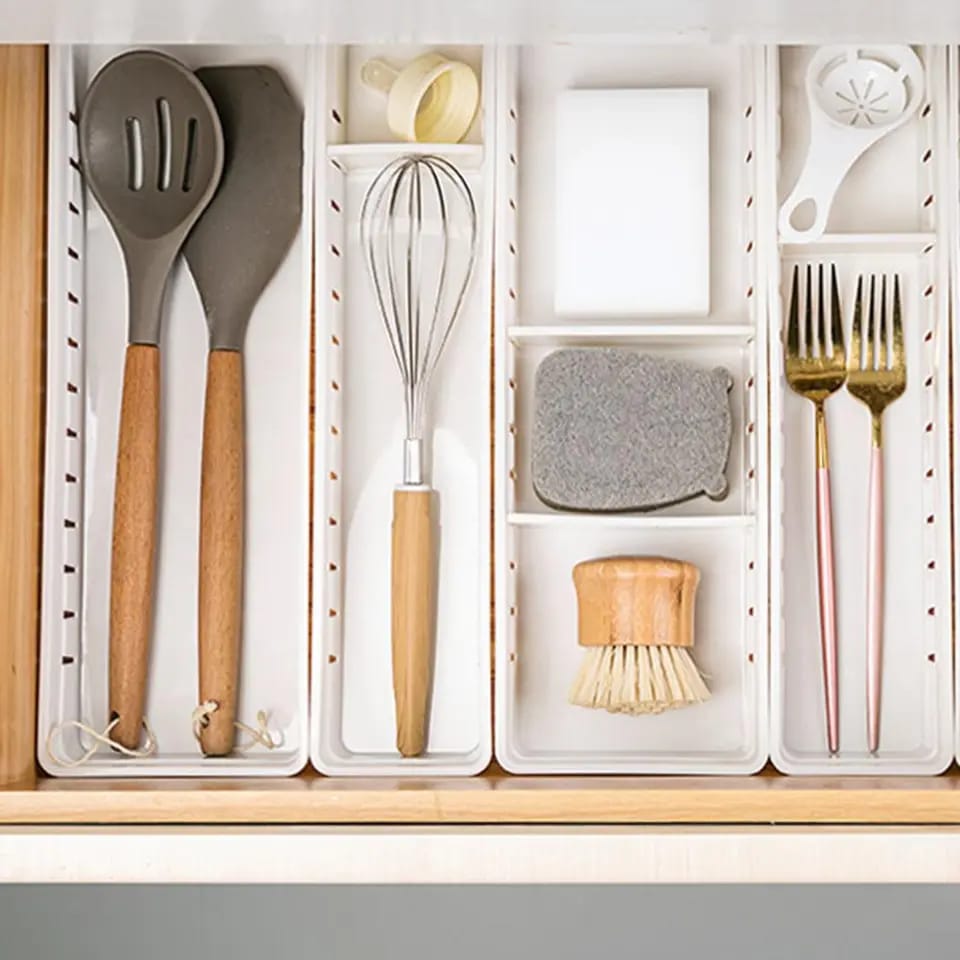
[874, 597]
[828, 606]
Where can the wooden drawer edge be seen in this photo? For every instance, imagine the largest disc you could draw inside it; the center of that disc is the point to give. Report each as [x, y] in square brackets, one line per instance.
[490, 799]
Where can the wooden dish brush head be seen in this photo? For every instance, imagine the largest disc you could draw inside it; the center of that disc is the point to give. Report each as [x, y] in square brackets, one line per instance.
[636, 623]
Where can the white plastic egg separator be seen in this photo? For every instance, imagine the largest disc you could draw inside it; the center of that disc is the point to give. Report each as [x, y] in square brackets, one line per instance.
[856, 95]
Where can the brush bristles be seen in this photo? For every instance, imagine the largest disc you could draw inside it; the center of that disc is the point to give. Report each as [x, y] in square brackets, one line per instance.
[638, 680]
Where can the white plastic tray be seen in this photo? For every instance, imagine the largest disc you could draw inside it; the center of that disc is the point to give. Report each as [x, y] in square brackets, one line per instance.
[358, 457]
[537, 731]
[893, 212]
[86, 337]
[952, 166]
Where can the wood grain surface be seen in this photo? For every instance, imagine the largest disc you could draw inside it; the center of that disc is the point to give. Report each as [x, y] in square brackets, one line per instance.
[133, 556]
[22, 242]
[644, 601]
[412, 599]
[221, 548]
[494, 797]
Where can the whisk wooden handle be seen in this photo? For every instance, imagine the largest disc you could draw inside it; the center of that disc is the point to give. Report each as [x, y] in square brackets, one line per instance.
[412, 598]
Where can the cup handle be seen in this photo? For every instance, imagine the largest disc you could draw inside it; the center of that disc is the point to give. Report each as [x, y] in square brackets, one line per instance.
[378, 75]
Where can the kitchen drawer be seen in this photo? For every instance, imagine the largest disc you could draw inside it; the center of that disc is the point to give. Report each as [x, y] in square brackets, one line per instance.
[492, 797]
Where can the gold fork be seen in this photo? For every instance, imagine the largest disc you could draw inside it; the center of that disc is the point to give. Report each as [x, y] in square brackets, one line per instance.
[815, 372]
[877, 385]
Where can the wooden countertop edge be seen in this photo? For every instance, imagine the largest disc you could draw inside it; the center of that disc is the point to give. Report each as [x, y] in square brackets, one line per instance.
[22, 276]
[488, 800]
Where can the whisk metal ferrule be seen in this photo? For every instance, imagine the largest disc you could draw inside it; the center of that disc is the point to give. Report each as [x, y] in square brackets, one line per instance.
[412, 462]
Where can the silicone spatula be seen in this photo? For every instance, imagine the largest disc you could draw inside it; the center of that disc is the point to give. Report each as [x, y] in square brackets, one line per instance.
[233, 252]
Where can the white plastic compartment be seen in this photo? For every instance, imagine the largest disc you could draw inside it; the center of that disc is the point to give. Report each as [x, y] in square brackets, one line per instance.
[358, 455]
[952, 162]
[892, 213]
[86, 338]
[537, 654]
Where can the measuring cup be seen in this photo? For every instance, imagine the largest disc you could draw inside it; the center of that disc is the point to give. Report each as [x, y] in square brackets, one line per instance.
[430, 100]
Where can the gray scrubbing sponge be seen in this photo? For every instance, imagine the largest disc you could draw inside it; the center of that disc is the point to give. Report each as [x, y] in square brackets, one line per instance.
[619, 430]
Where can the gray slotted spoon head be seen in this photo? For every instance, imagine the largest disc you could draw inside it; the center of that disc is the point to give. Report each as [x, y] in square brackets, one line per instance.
[151, 151]
[233, 252]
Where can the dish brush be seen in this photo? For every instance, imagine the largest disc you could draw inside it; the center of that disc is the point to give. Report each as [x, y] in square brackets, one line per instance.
[635, 619]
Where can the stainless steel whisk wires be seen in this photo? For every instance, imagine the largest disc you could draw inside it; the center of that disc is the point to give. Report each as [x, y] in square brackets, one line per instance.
[418, 230]
[396, 211]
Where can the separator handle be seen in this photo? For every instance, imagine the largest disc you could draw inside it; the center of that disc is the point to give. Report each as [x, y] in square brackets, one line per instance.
[378, 75]
[818, 187]
[832, 152]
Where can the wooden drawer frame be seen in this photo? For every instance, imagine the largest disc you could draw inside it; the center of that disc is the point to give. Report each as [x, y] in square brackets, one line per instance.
[494, 797]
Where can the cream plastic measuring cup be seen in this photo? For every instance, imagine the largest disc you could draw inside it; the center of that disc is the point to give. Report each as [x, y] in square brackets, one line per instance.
[430, 100]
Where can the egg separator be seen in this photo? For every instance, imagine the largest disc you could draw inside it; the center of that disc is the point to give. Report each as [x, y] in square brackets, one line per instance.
[856, 95]
[431, 99]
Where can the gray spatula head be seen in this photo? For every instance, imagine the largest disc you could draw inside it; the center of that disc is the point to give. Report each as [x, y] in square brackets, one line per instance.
[618, 430]
[245, 232]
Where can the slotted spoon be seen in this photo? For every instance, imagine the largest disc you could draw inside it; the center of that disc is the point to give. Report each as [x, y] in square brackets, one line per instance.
[151, 152]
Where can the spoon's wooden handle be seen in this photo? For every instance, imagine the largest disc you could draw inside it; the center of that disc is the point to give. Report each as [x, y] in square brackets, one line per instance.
[221, 547]
[412, 611]
[134, 540]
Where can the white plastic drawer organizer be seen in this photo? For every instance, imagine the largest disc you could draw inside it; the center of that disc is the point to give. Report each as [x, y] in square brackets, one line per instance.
[85, 348]
[755, 548]
[892, 215]
[359, 445]
[537, 653]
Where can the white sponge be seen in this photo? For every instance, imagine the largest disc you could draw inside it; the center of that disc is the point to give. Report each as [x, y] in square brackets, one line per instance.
[633, 202]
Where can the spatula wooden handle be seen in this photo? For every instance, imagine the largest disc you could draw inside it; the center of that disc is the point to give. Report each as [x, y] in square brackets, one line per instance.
[134, 541]
[221, 547]
[412, 614]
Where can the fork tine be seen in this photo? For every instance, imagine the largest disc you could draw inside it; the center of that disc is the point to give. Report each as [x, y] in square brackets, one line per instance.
[898, 359]
[870, 331]
[836, 320]
[821, 313]
[793, 316]
[808, 312]
[882, 326]
[856, 345]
